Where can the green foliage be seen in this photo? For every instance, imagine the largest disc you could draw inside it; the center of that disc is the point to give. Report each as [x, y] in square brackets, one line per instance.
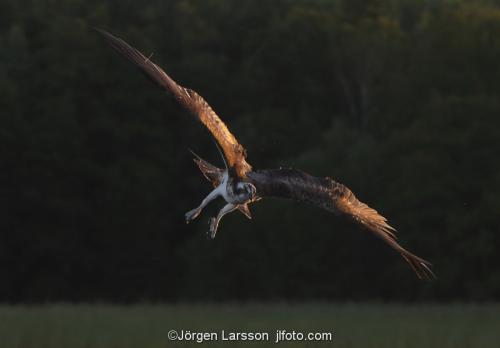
[396, 99]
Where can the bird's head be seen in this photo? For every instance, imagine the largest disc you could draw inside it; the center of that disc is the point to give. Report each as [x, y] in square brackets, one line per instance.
[245, 191]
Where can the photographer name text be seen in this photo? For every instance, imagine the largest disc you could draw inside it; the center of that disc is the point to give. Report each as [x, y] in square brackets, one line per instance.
[225, 335]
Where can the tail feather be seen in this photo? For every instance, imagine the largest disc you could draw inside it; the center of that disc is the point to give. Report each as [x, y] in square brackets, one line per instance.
[209, 171]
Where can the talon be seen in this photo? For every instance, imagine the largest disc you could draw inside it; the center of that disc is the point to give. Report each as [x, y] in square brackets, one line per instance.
[213, 228]
[192, 214]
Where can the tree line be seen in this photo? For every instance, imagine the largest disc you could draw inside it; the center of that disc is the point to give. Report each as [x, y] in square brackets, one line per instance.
[397, 99]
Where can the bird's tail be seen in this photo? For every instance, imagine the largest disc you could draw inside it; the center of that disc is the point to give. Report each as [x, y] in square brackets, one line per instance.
[209, 171]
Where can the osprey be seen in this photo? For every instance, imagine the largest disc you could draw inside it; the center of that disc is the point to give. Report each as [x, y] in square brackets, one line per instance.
[240, 185]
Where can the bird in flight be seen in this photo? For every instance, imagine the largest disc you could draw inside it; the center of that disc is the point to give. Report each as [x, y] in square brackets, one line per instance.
[240, 185]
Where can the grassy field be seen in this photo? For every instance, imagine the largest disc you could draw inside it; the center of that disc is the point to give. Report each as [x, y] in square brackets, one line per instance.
[353, 325]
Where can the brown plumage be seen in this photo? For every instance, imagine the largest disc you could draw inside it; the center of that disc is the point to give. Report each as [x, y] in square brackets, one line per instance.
[246, 186]
[209, 171]
[233, 151]
[334, 197]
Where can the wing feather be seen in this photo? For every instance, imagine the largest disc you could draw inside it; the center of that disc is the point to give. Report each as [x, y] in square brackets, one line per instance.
[233, 151]
[337, 198]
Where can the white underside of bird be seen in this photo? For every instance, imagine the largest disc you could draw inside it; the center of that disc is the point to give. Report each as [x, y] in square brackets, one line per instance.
[233, 200]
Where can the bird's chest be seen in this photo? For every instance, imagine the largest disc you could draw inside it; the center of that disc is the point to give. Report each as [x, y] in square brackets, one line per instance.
[228, 191]
[229, 194]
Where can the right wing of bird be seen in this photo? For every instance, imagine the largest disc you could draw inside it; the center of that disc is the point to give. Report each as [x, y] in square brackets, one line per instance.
[234, 152]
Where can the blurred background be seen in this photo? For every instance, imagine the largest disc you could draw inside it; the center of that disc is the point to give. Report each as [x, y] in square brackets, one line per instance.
[397, 99]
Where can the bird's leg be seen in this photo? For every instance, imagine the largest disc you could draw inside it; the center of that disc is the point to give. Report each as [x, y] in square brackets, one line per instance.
[193, 214]
[214, 222]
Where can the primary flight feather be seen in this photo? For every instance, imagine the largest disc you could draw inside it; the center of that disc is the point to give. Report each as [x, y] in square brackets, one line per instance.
[240, 185]
[233, 151]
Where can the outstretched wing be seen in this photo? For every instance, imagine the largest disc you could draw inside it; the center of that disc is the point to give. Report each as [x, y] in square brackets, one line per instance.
[334, 197]
[234, 152]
